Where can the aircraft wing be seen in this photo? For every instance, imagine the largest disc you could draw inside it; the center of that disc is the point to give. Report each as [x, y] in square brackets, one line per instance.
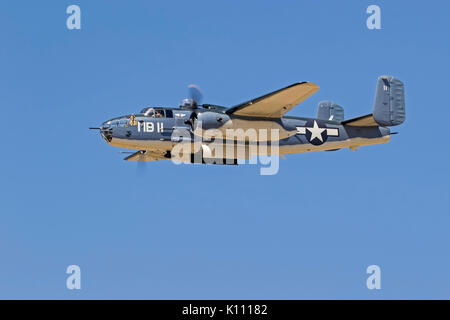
[277, 103]
[146, 155]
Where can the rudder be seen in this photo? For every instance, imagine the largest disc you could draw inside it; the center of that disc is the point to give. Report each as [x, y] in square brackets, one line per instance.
[328, 110]
[389, 106]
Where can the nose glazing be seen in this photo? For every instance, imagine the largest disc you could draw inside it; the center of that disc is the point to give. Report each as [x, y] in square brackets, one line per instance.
[106, 131]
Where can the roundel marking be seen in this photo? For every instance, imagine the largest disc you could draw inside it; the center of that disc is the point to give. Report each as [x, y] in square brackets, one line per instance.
[316, 132]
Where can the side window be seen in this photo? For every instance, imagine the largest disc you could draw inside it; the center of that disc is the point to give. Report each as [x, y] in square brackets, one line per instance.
[159, 113]
[169, 114]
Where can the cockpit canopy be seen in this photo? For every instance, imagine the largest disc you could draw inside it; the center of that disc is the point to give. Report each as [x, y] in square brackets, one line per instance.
[157, 112]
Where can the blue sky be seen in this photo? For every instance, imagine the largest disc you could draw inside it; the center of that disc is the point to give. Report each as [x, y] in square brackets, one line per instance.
[219, 232]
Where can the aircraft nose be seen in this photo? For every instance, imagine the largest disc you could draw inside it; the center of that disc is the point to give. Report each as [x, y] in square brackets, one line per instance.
[106, 131]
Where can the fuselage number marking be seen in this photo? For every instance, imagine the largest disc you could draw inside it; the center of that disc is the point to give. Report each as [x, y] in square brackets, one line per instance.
[150, 126]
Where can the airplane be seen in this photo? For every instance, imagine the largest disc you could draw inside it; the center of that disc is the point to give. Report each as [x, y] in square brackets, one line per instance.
[155, 132]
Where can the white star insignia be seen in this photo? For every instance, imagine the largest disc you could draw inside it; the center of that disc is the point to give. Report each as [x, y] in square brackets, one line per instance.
[316, 132]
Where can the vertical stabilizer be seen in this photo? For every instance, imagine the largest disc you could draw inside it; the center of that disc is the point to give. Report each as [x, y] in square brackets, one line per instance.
[389, 106]
[328, 110]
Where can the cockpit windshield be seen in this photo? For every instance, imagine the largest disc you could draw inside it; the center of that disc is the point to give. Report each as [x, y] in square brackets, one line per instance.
[146, 110]
[157, 113]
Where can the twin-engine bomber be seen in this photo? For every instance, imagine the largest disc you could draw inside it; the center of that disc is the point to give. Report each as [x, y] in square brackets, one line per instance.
[206, 133]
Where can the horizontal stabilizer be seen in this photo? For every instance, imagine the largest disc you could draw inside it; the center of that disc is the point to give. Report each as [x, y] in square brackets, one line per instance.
[364, 121]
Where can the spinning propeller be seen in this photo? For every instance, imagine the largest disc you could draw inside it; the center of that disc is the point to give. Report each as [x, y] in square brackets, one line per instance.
[195, 97]
[195, 94]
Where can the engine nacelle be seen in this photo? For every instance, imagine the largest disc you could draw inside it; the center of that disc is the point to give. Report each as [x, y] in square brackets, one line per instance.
[211, 120]
[240, 128]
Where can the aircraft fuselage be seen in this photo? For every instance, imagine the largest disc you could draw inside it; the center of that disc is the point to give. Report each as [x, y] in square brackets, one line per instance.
[293, 134]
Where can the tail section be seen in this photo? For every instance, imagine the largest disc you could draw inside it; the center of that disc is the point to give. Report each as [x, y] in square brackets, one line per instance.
[389, 106]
